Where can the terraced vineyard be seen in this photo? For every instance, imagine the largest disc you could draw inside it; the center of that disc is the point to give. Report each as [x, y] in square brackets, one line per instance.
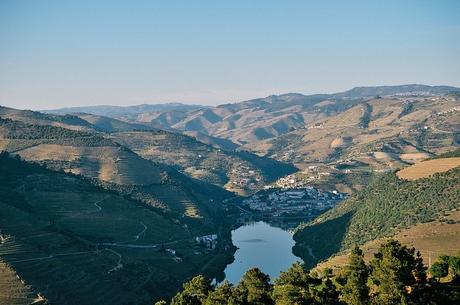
[13, 291]
[59, 231]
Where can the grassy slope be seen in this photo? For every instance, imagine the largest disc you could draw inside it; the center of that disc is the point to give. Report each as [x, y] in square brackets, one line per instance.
[385, 207]
[53, 222]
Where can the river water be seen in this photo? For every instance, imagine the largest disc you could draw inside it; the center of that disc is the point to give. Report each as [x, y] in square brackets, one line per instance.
[261, 245]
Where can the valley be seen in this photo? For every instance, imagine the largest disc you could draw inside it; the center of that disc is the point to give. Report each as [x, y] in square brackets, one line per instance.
[128, 203]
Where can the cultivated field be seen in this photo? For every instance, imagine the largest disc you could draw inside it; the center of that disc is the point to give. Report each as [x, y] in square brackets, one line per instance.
[428, 168]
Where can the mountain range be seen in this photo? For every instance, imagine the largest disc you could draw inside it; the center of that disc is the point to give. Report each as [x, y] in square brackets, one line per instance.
[87, 191]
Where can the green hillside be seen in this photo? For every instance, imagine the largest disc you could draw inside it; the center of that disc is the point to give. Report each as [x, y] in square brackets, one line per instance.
[96, 156]
[386, 206]
[77, 243]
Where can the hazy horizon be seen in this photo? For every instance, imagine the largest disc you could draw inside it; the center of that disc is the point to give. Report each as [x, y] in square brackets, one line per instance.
[56, 54]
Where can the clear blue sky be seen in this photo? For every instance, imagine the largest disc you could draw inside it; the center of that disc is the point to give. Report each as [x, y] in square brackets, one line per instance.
[63, 53]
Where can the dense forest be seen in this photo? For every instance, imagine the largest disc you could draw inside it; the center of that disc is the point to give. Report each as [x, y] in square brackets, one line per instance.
[395, 276]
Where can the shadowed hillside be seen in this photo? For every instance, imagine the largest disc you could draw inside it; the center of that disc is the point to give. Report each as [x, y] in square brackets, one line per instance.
[60, 231]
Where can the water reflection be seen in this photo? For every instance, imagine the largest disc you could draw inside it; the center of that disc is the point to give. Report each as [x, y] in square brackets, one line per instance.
[261, 245]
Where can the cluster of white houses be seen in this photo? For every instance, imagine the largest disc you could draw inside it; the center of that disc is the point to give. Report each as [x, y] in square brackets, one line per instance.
[306, 200]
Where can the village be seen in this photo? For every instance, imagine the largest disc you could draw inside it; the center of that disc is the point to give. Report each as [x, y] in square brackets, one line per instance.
[302, 200]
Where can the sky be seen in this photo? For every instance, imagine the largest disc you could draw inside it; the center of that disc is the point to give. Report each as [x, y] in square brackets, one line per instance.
[76, 53]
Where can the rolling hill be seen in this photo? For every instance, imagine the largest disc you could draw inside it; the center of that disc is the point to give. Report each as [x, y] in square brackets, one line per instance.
[383, 133]
[267, 118]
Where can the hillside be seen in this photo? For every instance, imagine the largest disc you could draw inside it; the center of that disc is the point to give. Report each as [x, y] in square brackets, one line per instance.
[34, 117]
[270, 117]
[107, 124]
[117, 167]
[241, 172]
[60, 231]
[384, 208]
[383, 133]
[432, 239]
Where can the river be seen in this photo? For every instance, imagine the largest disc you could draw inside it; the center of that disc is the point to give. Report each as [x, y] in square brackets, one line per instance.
[261, 245]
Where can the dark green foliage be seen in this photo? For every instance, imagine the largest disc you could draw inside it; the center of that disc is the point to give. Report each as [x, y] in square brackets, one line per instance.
[355, 290]
[195, 292]
[454, 265]
[439, 269]
[393, 269]
[255, 288]
[222, 295]
[52, 135]
[294, 287]
[366, 117]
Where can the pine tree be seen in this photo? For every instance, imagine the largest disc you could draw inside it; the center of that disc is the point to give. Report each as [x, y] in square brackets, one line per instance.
[255, 288]
[195, 292]
[393, 273]
[222, 295]
[292, 286]
[355, 290]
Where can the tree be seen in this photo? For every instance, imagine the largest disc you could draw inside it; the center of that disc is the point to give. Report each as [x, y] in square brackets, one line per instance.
[394, 270]
[355, 290]
[222, 295]
[195, 292]
[161, 303]
[254, 288]
[292, 286]
[454, 264]
[326, 294]
[439, 269]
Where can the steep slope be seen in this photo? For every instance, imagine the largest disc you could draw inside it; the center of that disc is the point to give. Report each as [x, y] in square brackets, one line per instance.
[387, 206]
[238, 171]
[116, 166]
[213, 141]
[77, 243]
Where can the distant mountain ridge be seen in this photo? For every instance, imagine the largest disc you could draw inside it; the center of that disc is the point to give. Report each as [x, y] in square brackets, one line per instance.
[411, 89]
[110, 110]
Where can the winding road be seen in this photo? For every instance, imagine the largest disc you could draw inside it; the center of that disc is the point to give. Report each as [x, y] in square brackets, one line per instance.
[96, 204]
